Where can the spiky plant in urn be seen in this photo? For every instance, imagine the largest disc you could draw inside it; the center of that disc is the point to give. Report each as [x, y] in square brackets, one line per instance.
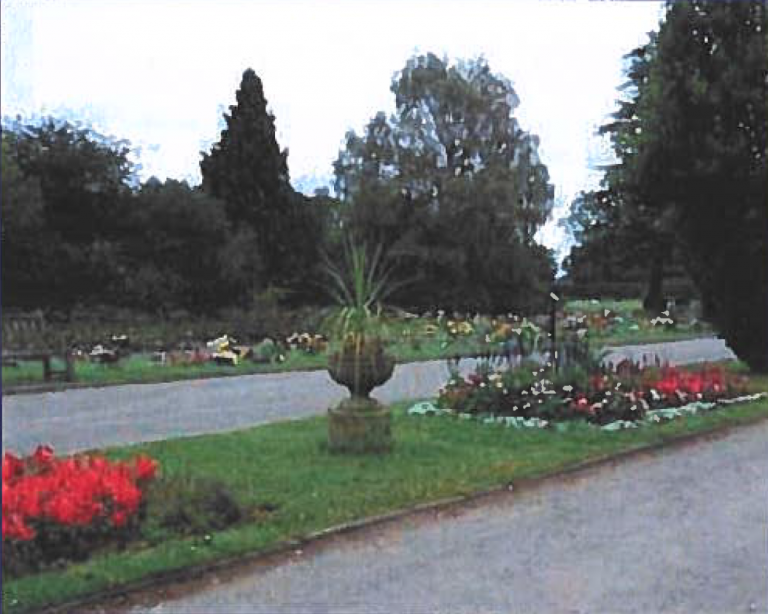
[358, 360]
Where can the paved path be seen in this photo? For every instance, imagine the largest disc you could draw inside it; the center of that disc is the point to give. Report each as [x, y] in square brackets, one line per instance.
[86, 418]
[681, 531]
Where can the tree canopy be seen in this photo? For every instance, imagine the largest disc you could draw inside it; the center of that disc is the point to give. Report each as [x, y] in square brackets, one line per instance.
[247, 170]
[451, 186]
[704, 124]
[690, 139]
[63, 191]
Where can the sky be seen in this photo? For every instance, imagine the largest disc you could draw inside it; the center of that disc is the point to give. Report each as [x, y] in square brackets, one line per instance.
[161, 73]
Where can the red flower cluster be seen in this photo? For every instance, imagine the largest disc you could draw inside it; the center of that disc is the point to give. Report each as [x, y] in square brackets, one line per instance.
[708, 380]
[582, 405]
[73, 491]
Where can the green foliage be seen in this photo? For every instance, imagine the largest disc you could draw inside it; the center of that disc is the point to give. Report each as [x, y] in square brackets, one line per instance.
[178, 237]
[27, 260]
[359, 289]
[702, 156]
[708, 122]
[78, 230]
[452, 188]
[691, 139]
[56, 546]
[64, 192]
[247, 170]
[620, 234]
[189, 505]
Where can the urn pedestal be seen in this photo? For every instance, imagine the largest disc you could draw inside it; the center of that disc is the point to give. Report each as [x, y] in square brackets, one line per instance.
[359, 424]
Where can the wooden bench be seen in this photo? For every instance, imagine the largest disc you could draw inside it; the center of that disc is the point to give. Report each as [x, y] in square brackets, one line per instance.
[25, 338]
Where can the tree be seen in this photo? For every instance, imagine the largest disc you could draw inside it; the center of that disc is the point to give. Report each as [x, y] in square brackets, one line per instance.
[596, 257]
[83, 175]
[26, 262]
[82, 183]
[248, 171]
[692, 146]
[705, 120]
[638, 230]
[178, 250]
[450, 185]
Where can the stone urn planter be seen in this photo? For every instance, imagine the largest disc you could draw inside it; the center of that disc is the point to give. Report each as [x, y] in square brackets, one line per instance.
[360, 424]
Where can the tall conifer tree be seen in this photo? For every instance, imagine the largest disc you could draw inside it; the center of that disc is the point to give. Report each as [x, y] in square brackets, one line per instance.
[249, 172]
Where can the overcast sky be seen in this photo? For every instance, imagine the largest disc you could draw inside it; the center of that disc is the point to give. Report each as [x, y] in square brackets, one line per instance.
[161, 73]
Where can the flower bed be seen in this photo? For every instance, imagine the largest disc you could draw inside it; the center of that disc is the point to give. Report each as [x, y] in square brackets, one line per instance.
[57, 509]
[531, 396]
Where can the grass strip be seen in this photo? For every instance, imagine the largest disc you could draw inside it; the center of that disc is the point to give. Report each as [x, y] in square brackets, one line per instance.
[285, 464]
[139, 369]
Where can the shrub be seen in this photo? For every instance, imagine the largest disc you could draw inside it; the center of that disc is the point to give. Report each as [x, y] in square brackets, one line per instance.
[187, 505]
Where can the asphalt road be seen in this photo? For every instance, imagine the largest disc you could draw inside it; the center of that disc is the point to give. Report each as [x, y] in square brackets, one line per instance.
[682, 530]
[86, 418]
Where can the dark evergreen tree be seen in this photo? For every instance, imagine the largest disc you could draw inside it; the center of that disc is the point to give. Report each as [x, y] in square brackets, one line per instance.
[246, 168]
[691, 140]
[638, 234]
[639, 231]
[248, 171]
[705, 122]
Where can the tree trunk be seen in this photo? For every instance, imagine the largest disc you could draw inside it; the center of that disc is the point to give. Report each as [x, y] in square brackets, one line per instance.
[654, 299]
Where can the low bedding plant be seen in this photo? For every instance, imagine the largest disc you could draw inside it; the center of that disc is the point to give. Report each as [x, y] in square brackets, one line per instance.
[57, 511]
[530, 396]
[63, 508]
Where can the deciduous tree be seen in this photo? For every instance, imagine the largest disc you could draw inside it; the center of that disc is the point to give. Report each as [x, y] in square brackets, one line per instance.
[452, 186]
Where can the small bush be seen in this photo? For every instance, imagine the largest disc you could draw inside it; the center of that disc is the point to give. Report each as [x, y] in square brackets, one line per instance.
[191, 506]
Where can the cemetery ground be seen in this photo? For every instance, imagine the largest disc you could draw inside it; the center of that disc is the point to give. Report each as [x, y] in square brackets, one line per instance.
[611, 323]
[277, 484]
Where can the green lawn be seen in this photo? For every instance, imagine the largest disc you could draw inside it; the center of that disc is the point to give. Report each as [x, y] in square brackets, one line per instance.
[649, 336]
[285, 465]
[139, 368]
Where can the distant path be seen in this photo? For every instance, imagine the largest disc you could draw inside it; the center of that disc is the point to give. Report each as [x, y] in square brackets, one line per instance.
[86, 418]
[676, 353]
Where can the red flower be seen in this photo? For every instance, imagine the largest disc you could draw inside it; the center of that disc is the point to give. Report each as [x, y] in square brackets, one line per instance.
[668, 385]
[119, 518]
[75, 491]
[13, 467]
[597, 382]
[581, 404]
[694, 384]
[144, 468]
[15, 527]
[43, 455]
[475, 378]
